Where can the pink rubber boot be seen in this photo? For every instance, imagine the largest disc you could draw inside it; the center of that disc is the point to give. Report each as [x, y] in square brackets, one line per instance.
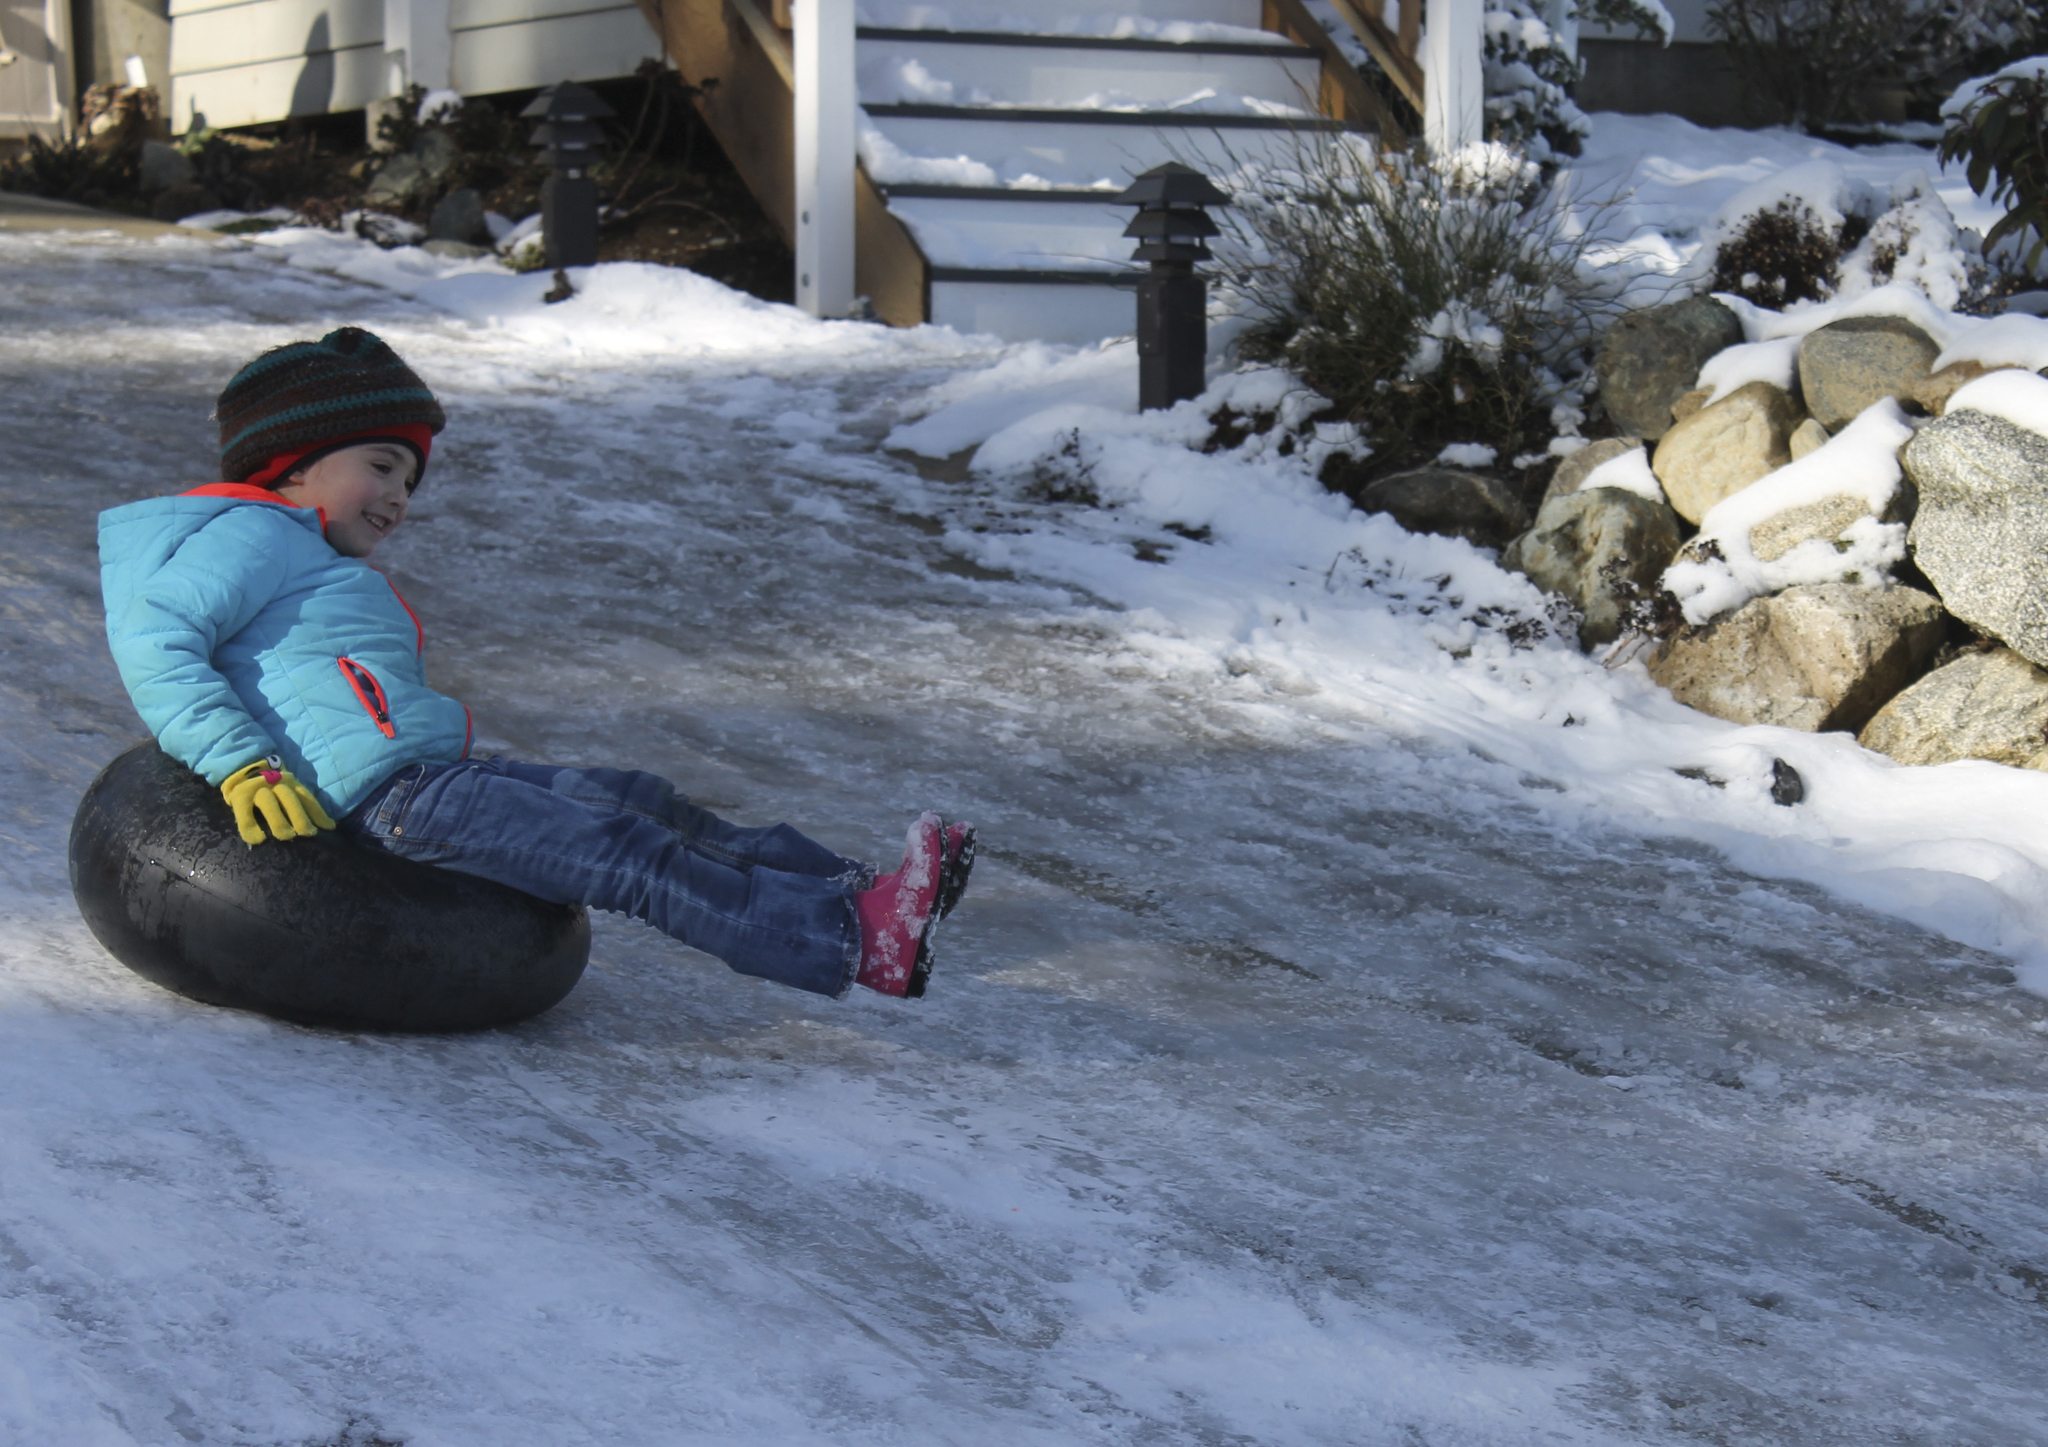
[897, 912]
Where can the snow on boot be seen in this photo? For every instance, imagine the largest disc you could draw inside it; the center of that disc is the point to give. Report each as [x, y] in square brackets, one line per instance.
[897, 912]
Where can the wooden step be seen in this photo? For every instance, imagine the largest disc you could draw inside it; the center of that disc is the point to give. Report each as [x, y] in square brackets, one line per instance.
[1075, 309]
[1067, 232]
[1170, 19]
[1035, 148]
[913, 67]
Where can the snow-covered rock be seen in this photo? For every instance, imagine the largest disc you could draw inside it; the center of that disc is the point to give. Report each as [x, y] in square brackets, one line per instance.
[1818, 657]
[1828, 519]
[1593, 547]
[1835, 515]
[1572, 472]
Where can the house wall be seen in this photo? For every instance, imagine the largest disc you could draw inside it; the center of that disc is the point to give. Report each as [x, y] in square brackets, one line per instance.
[513, 44]
[107, 32]
[35, 68]
[238, 62]
[1691, 77]
[244, 62]
[1693, 80]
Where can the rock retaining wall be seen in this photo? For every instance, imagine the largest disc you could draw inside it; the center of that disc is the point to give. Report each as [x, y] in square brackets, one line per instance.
[1862, 562]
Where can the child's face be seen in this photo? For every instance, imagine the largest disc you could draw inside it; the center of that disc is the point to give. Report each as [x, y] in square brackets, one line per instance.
[361, 489]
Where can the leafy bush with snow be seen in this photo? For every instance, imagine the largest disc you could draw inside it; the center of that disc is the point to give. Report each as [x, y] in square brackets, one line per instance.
[1429, 300]
[1530, 74]
[1821, 61]
[1999, 129]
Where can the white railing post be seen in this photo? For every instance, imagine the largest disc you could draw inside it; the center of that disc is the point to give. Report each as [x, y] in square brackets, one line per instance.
[418, 46]
[827, 115]
[1453, 86]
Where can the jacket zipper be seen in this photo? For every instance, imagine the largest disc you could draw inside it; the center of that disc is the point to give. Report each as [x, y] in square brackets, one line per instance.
[370, 694]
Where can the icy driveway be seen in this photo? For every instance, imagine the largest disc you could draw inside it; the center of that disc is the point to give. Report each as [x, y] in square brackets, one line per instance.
[1278, 1085]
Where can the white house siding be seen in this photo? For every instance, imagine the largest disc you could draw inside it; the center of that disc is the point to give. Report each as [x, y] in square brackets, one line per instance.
[513, 44]
[238, 62]
[35, 67]
[244, 62]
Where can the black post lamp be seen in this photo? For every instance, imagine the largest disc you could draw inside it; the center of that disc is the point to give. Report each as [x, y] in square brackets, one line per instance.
[1173, 301]
[569, 132]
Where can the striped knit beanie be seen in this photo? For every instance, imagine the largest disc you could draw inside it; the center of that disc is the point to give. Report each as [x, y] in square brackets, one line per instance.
[300, 401]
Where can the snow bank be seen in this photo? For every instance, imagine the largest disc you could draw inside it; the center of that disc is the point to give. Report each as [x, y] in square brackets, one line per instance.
[1427, 637]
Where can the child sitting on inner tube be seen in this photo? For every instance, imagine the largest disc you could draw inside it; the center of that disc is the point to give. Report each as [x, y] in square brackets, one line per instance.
[264, 651]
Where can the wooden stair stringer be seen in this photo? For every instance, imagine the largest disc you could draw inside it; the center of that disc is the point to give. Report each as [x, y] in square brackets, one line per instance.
[745, 72]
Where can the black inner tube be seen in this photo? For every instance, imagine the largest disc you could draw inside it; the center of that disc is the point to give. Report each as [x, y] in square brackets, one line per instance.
[321, 931]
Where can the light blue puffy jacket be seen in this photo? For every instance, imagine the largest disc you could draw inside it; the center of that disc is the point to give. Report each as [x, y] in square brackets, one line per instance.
[240, 633]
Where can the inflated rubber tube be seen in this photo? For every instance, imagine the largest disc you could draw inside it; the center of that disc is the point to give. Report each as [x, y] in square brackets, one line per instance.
[322, 931]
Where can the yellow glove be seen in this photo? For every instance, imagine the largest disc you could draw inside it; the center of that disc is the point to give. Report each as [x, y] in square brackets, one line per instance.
[287, 806]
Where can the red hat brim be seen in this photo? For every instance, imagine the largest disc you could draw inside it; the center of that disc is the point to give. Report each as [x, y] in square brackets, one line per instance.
[415, 435]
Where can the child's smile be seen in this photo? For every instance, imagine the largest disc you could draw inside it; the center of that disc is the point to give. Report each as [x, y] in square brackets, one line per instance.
[363, 491]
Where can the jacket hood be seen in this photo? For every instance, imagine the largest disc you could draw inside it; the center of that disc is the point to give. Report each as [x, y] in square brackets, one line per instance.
[138, 538]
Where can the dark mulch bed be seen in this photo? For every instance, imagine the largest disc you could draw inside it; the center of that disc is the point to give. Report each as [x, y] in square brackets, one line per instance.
[672, 198]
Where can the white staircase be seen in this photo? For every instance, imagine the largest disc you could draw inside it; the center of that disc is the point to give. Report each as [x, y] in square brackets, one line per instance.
[998, 130]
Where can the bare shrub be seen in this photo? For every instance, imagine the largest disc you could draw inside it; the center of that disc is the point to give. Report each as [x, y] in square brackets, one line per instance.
[1822, 60]
[1779, 256]
[1431, 302]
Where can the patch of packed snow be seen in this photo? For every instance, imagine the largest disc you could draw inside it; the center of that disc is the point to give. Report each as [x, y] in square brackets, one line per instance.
[1630, 472]
[2020, 397]
[1964, 95]
[1468, 454]
[999, 18]
[1775, 361]
[887, 161]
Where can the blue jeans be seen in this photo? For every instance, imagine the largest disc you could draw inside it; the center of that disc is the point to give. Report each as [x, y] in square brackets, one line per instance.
[769, 902]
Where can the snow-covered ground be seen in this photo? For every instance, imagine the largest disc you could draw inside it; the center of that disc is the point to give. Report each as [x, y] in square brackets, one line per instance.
[1359, 1032]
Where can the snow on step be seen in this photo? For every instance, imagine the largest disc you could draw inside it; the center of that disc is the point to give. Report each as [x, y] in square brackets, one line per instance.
[955, 70]
[1074, 314]
[1028, 96]
[967, 148]
[1177, 20]
[1078, 235]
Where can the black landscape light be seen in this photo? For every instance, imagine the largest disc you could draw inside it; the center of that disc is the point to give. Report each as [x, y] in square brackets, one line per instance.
[570, 134]
[1172, 230]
